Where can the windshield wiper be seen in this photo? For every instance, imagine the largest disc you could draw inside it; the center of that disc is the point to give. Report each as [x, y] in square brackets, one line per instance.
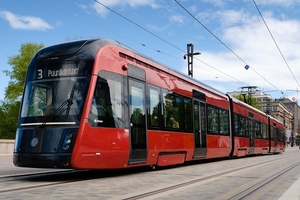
[61, 109]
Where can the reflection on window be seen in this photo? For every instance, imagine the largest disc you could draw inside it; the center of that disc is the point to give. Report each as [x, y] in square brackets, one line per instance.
[171, 110]
[218, 120]
[38, 102]
[137, 100]
[48, 97]
[137, 115]
[187, 111]
[213, 119]
[174, 112]
[107, 104]
[242, 126]
[264, 129]
[154, 107]
[272, 133]
[257, 129]
[224, 122]
[247, 127]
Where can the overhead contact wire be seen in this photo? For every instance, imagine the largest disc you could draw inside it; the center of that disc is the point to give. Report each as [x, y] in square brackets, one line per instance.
[275, 42]
[223, 43]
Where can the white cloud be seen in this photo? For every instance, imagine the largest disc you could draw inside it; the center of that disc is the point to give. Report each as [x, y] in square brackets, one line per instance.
[25, 22]
[156, 28]
[251, 41]
[217, 3]
[102, 11]
[83, 7]
[193, 8]
[226, 17]
[177, 18]
[284, 3]
[231, 17]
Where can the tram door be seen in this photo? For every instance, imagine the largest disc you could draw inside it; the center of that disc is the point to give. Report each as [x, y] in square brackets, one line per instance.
[199, 129]
[274, 136]
[251, 135]
[137, 114]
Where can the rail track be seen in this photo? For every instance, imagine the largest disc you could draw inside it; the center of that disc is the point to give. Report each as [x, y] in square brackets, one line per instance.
[239, 194]
[118, 182]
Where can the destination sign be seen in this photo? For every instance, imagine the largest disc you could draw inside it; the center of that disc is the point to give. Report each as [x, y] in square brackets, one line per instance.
[56, 73]
[60, 69]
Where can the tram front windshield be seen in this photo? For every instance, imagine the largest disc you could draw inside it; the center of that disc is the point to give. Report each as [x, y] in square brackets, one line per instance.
[53, 101]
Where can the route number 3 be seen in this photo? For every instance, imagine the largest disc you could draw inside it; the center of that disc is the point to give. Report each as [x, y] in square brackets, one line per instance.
[40, 74]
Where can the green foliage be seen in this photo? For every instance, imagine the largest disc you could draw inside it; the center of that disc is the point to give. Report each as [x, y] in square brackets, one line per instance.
[39, 102]
[9, 108]
[19, 65]
[9, 119]
[251, 101]
[298, 138]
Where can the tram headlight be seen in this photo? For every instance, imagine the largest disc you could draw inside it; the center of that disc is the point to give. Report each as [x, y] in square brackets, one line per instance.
[67, 141]
[65, 146]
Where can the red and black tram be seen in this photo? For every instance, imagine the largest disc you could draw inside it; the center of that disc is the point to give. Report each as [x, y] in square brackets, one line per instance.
[97, 104]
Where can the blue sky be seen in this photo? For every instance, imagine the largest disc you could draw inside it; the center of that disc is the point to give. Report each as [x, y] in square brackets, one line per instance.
[229, 34]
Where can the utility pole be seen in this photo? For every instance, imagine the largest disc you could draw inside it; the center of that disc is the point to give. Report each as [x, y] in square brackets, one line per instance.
[250, 92]
[292, 133]
[190, 54]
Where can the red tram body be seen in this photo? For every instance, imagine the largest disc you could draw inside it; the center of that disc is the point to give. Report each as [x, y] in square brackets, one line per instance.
[96, 104]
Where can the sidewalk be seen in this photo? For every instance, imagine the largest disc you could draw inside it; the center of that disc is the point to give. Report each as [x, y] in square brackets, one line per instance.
[293, 193]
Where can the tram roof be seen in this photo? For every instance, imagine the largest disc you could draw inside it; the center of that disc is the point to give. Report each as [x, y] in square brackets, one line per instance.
[87, 48]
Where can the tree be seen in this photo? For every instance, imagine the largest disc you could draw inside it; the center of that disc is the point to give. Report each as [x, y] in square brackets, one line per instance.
[298, 140]
[9, 108]
[251, 101]
[9, 118]
[19, 65]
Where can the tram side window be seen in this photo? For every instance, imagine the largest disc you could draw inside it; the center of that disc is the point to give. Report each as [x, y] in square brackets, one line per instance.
[272, 133]
[172, 110]
[240, 125]
[107, 108]
[224, 122]
[264, 131]
[277, 135]
[213, 119]
[243, 127]
[257, 129]
[154, 114]
[236, 124]
[282, 134]
[187, 114]
[249, 126]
